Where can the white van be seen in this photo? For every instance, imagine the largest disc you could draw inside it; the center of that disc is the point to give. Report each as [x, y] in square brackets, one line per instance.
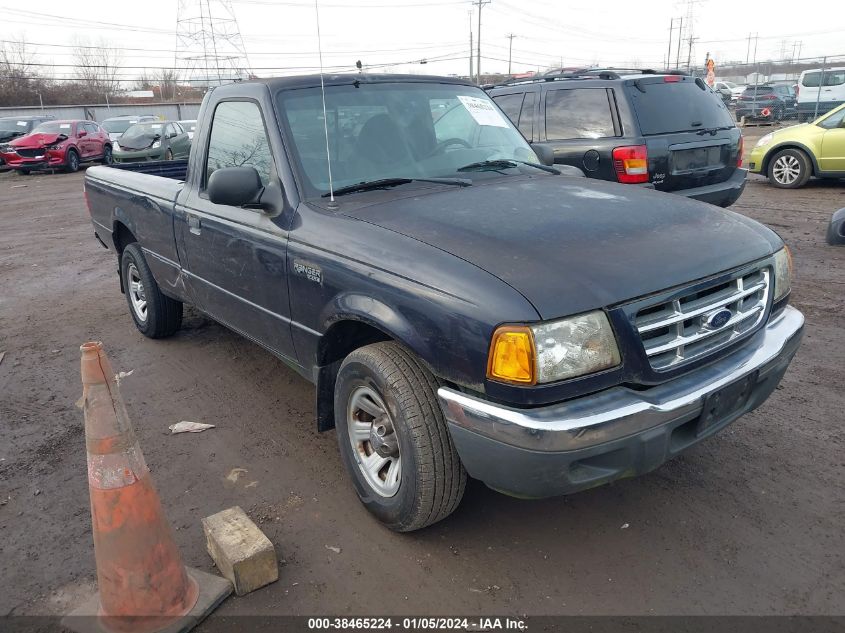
[832, 91]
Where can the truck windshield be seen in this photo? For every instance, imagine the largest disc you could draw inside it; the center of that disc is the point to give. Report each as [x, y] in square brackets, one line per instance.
[398, 130]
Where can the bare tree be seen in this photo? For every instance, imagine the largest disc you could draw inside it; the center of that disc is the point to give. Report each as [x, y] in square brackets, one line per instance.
[20, 81]
[98, 64]
[163, 82]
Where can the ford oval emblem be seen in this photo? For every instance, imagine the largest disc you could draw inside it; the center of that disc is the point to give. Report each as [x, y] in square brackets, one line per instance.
[717, 319]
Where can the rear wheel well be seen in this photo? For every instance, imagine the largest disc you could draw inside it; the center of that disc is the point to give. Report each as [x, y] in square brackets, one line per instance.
[341, 339]
[122, 237]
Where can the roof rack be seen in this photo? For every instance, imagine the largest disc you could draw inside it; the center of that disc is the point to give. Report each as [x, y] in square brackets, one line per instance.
[585, 73]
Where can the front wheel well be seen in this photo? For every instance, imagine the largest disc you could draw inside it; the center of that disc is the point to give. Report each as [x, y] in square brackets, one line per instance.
[341, 339]
[776, 150]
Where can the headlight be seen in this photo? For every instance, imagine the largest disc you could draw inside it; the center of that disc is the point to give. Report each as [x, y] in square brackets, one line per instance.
[783, 273]
[115, 146]
[552, 351]
[7, 149]
[765, 140]
[156, 144]
[54, 147]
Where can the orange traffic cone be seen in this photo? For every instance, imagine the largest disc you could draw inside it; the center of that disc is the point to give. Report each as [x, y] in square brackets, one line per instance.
[143, 585]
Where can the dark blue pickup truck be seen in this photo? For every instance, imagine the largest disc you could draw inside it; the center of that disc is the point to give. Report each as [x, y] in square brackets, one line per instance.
[462, 308]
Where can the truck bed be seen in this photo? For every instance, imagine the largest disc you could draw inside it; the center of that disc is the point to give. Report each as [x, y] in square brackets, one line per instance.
[174, 169]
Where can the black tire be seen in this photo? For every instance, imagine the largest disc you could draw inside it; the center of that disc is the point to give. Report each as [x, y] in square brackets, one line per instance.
[72, 161]
[24, 172]
[792, 157]
[163, 315]
[168, 155]
[432, 478]
[108, 157]
[778, 114]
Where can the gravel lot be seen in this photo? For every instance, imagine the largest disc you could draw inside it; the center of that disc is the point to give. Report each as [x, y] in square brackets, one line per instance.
[749, 522]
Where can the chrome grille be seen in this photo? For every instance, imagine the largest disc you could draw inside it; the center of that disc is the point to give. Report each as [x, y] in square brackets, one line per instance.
[688, 327]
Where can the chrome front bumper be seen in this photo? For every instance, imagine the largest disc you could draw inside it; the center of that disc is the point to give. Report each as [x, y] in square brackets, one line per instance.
[618, 432]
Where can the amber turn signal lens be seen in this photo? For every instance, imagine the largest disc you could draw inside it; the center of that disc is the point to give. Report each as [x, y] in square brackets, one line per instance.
[512, 355]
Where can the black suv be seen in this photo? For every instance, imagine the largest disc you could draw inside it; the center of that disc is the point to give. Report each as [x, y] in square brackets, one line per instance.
[765, 101]
[12, 127]
[669, 130]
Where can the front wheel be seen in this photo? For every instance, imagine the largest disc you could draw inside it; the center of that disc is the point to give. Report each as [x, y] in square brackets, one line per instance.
[168, 155]
[789, 169]
[393, 438]
[155, 314]
[108, 158]
[72, 161]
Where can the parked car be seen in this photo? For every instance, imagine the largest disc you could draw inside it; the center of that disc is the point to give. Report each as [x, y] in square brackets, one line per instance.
[462, 308]
[62, 144]
[190, 127]
[117, 125]
[160, 140]
[767, 101]
[668, 130]
[789, 157]
[15, 126]
[815, 99]
[729, 90]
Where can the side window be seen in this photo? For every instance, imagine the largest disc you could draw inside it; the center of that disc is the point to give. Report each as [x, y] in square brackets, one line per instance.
[238, 139]
[178, 128]
[511, 105]
[578, 113]
[526, 117]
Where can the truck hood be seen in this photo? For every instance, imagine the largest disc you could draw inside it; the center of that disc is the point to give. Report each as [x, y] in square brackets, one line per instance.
[573, 244]
[37, 140]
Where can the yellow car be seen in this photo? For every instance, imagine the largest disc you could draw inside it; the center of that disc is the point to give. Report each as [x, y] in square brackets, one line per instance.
[790, 156]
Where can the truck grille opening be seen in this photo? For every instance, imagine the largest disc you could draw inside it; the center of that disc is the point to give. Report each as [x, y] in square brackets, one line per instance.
[703, 321]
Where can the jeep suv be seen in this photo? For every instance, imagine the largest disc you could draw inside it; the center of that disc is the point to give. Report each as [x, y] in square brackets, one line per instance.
[668, 131]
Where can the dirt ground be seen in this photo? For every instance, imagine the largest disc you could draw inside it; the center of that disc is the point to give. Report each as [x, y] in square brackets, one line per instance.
[749, 522]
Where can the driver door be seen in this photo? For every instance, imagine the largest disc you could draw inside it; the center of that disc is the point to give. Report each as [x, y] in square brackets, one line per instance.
[833, 143]
[235, 258]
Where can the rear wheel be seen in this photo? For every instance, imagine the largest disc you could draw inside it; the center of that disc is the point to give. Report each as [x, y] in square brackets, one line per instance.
[393, 438]
[155, 314]
[72, 161]
[789, 169]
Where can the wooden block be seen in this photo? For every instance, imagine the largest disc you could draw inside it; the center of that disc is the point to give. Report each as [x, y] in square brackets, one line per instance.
[241, 551]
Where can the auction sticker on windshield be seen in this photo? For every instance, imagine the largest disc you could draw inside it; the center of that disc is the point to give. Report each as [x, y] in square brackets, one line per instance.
[483, 111]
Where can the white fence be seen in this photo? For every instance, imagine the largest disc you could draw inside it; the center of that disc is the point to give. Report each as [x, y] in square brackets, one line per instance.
[99, 112]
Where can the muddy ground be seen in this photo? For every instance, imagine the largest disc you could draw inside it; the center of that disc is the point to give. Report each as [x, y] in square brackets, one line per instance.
[749, 522]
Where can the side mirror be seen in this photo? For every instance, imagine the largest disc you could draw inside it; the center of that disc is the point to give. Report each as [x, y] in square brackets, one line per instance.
[545, 153]
[235, 186]
[836, 229]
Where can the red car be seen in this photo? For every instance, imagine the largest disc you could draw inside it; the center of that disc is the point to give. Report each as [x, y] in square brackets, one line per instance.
[58, 144]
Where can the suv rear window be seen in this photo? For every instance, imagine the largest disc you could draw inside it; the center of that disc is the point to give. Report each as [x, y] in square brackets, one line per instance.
[678, 106]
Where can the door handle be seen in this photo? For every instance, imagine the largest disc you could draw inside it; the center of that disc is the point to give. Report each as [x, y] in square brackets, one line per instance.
[194, 225]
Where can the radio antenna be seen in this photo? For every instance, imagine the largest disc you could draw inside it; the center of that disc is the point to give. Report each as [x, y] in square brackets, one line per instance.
[323, 92]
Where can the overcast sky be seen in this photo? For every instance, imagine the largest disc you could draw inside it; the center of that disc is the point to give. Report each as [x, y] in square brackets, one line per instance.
[280, 36]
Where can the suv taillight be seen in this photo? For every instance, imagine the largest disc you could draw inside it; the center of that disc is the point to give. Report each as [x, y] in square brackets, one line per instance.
[631, 163]
[739, 151]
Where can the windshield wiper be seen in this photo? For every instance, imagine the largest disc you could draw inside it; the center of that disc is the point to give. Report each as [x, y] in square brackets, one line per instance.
[384, 183]
[712, 131]
[505, 163]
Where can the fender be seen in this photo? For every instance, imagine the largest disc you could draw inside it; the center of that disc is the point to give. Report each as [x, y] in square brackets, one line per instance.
[786, 145]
